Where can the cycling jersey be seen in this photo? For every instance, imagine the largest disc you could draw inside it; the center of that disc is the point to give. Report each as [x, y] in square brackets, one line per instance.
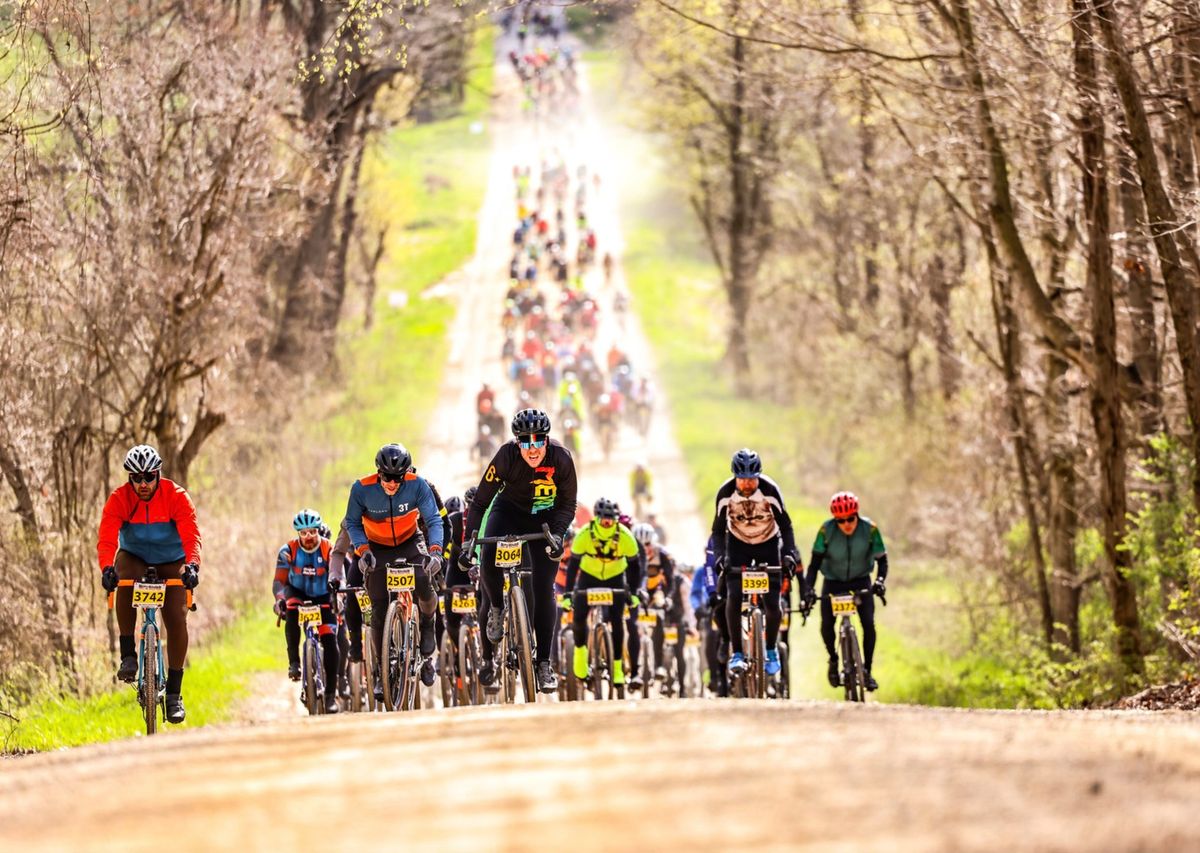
[374, 516]
[307, 573]
[660, 571]
[603, 553]
[751, 519]
[842, 558]
[547, 492]
[160, 530]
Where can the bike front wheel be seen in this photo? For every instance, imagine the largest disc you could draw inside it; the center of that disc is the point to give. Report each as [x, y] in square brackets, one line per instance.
[150, 685]
[449, 682]
[758, 647]
[851, 666]
[312, 700]
[523, 642]
[468, 665]
[369, 667]
[393, 668]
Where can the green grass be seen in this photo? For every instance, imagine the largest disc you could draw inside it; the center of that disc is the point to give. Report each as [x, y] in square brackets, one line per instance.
[219, 676]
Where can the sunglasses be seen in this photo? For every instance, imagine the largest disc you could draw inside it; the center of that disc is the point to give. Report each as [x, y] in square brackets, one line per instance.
[605, 521]
[849, 520]
[148, 477]
[390, 478]
[532, 441]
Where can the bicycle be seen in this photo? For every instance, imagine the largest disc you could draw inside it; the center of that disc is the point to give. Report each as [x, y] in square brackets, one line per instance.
[569, 687]
[756, 582]
[693, 683]
[312, 659]
[516, 646]
[401, 660]
[150, 594]
[460, 659]
[361, 674]
[854, 674]
[648, 620]
[601, 653]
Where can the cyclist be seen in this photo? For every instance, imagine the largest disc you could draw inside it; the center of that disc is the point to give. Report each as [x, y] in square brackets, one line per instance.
[661, 577]
[150, 521]
[710, 617]
[751, 523]
[532, 479]
[303, 572]
[343, 563]
[604, 554]
[845, 549]
[384, 515]
[455, 574]
[641, 482]
[634, 637]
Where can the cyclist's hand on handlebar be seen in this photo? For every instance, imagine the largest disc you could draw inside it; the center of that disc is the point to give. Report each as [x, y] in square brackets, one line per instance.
[555, 549]
[108, 578]
[366, 561]
[789, 565]
[879, 589]
[334, 584]
[281, 607]
[809, 598]
[473, 573]
[433, 565]
[190, 576]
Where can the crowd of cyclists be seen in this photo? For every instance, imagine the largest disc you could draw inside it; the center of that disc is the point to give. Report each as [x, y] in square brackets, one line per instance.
[675, 629]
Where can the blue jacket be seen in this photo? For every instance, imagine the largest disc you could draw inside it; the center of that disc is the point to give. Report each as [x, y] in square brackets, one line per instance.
[304, 572]
[374, 516]
[704, 581]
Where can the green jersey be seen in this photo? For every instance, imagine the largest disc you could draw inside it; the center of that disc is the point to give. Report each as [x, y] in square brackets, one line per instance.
[848, 557]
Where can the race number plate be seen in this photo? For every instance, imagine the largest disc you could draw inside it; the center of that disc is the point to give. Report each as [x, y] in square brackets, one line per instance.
[441, 605]
[310, 614]
[149, 595]
[401, 577]
[599, 596]
[671, 635]
[647, 618]
[508, 554]
[755, 582]
[364, 599]
[693, 640]
[843, 605]
[464, 603]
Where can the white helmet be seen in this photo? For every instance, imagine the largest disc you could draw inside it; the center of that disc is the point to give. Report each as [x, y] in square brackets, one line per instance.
[142, 459]
[645, 534]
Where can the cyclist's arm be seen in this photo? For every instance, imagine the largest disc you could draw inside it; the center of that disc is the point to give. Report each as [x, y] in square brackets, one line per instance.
[573, 564]
[492, 481]
[110, 527]
[699, 593]
[283, 566]
[814, 562]
[445, 521]
[719, 525]
[881, 567]
[879, 552]
[428, 506]
[564, 507]
[339, 553]
[183, 512]
[353, 520]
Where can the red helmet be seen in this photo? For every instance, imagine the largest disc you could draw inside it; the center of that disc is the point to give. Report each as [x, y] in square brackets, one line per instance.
[843, 505]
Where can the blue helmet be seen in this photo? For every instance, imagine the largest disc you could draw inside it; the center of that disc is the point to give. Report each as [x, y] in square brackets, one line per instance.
[746, 463]
[307, 519]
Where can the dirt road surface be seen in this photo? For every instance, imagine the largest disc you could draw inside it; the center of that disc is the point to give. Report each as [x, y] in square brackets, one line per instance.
[605, 776]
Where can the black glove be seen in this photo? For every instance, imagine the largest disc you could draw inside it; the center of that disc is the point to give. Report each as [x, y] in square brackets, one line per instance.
[712, 601]
[465, 561]
[473, 573]
[719, 566]
[366, 561]
[809, 597]
[281, 607]
[555, 549]
[334, 584]
[190, 576]
[108, 579]
[878, 589]
[789, 566]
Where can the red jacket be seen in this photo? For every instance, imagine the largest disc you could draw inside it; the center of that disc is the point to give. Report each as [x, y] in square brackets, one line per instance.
[160, 530]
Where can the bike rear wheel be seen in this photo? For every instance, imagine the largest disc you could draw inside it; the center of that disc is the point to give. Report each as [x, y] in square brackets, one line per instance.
[149, 694]
[758, 647]
[410, 696]
[850, 666]
[568, 685]
[446, 665]
[369, 667]
[647, 662]
[523, 646]
[354, 675]
[785, 675]
[468, 665]
[601, 656]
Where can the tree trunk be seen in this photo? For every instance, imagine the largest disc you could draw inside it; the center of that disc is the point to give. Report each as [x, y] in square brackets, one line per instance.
[738, 281]
[1106, 399]
[1062, 513]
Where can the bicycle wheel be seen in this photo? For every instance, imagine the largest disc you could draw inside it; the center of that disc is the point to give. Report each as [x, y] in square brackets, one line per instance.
[568, 686]
[601, 656]
[504, 671]
[785, 675]
[524, 642]
[369, 666]
[354, 676]
[849, 676]
[468, 665]
[647, 664]
[311, 700]
[410, 692]
[758, 647]
[149, 694]
[393, 667]
[446, 667]
[860, 672]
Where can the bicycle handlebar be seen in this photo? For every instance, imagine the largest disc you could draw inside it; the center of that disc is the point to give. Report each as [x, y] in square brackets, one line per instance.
[476, 539]
[112, 596]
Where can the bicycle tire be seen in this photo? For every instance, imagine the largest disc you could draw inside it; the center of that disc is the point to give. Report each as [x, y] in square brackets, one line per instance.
[369, 667]
[569, 685]
[849, 677]
[469, 661]
[409, 694]
[391, 665]
[647, 662]
[312, 700]
[508, 678]
[149, 695]
[860, 672]
[785, 674]
[354, 676]
[520, 625]
[758, 641]
[446, 676]
[608, 657]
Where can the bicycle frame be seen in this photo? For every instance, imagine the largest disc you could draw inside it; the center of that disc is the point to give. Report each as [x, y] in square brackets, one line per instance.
[754, 681]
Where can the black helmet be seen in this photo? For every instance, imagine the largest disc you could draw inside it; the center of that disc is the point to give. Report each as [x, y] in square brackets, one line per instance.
[530, 422]
[469, 495]
[453, 504]
[606, 508]
[393, 459]
[746, 463]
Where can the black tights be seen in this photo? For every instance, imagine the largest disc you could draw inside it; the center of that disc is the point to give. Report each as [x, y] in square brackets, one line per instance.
[503, 520]
[769, 604]
[327, 633]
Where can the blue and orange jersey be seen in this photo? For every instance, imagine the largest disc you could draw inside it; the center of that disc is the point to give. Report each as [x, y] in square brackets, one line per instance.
[305, 571]
[160, 530]
[374, 516]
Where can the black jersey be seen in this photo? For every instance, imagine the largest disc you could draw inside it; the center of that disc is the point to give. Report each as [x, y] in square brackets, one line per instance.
[547, 492]
[752, 519]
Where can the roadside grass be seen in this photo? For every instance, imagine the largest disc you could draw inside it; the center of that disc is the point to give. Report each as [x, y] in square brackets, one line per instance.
[217, 679]
[425, 183]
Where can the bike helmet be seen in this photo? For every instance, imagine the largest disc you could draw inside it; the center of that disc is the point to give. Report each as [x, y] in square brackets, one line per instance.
[142, 459]
[843, 505]
[645, 535]
[530, 422]
[325, 532]
[453, 504]
[746, 463]
[307, 519]
[469, 495]
[393, 459]
[606, 508]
